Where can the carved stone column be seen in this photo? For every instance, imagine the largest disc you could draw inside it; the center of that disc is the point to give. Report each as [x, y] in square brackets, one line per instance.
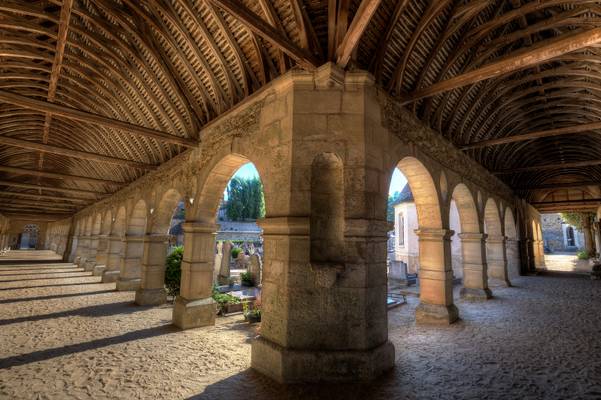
[152, 287]
[101, 255]
[475, 267]
[435, 277]
[496, 254]
[90, 262]
[130, 263]
[194, 306]
[113, 259]
[322, 322]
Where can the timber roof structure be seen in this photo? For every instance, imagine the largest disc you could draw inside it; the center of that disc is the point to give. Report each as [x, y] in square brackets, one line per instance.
[94, 93]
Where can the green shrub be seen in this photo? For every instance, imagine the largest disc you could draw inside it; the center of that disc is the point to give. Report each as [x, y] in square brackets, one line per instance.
[246, 279]
[173, 271]
[583, 255]
[223, 299]
[236, 251]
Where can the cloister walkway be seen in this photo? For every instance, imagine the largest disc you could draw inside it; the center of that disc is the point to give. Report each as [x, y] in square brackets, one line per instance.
[65, 335]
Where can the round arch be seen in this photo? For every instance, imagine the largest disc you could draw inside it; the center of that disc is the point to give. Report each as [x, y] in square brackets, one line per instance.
[106, 223]
[513, 255]
[492, 218]
[120, 222]
[136, 225]
[161, 219]
[466, 206]
[97, 224]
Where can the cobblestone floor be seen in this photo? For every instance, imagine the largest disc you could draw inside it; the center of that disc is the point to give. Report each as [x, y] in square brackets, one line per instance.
[63, 335]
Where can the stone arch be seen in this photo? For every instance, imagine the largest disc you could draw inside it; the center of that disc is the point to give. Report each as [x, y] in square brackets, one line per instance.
[96, 226]
[88, 230]
[496, 256]
[513, 255]
[468, 211]
[211, 190]
[120, 223]
[107, 221]
[161, 217]
[492, 218]
[136, 226]
[327, 210]
[424, 192]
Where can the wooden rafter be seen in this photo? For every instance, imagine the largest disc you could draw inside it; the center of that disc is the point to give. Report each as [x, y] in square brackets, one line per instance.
[56, 175]
[534, 135]
[542, 52]
[52, 188]
[349, 43]
[83, 116]
[25, 144]
[267, 32]
[576, 164]
[45, 197]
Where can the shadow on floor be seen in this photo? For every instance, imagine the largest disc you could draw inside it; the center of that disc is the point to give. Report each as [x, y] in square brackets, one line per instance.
[41, 269]
[99, 310]
[257, 386]
[42, 355]
[39, 273]
[88, 275]
[98, 282]
[54, 296]
[564, 274]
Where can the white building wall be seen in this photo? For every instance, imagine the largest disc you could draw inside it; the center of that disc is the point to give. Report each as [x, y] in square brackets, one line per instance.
[454, 225]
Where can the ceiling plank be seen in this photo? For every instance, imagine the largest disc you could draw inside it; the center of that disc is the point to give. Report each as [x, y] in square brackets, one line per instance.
[351, 39]
[534, 135]
[96, 119]
[44, 204]
[26, 144]
[559, 185]
[51, 188]
[45, 197]
[56, 175]
[576, 164]
[267, 32]
[531, 56]
[583, 201]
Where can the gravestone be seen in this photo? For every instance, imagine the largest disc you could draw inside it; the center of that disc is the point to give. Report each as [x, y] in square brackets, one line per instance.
[217, 263]
[255, 269]
[224, 271]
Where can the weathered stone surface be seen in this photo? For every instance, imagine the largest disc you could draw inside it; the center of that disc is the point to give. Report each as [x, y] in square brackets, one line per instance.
[150, 297]
[193, 314]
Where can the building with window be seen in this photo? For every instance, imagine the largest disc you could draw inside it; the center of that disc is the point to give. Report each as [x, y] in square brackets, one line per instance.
[558, 236]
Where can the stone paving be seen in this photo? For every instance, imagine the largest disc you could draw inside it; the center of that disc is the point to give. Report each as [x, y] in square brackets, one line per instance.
[63, 335]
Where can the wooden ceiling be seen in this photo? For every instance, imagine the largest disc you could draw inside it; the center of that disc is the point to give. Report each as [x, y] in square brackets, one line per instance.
[94, 93]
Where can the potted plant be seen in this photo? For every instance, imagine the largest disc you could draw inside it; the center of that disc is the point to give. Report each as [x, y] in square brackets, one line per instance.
[246, 279]
[252, 312]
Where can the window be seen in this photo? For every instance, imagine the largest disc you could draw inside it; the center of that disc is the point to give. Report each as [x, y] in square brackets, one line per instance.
[401, 229]
[570, 237]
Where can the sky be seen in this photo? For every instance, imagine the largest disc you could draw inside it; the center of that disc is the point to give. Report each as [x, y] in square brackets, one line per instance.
[397, 183]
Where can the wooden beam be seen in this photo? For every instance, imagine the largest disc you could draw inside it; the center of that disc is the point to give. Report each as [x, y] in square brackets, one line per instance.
[56, 175]
[44, 204]
[559, 186]
[544, 167]
[46, 197]
[364, 13]
[531, 56]
[534, 135]
[35, 217]
[51, 188]
[256, 24]
[34, 208]
[582, 201]
[96, 119]
[26, 144]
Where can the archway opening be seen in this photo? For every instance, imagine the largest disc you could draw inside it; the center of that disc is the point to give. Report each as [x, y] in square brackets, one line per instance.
[413, 207]
[513, 252]
[132, 247]
[29, 237]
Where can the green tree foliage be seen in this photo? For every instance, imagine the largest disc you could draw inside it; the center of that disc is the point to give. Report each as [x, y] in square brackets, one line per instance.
[173, 271]
[390, 209]
[575, 219]
[245, 200]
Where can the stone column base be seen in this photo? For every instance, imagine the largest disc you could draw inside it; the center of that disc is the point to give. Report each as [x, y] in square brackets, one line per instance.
[151, 297]
[128, 285]
[436, 314]
[88, 266]
[110, 276]
[499, 282]
[193, 313]
[98, 270]
[475, 294]
[305, 366]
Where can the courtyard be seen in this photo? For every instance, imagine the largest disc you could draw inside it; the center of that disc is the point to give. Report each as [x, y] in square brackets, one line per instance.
[65, 335]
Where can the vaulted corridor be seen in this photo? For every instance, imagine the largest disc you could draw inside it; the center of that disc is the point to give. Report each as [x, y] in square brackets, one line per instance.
[65, 334]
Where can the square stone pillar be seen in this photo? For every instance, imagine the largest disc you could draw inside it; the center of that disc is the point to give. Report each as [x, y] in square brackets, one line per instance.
[92, 248]
[194, 306]
[496, 254]
[435, 277]
[130, 263]
[152, 287]
[475, 267]
[82, 251]
[320, 322]
[101, 255]
[113, 259]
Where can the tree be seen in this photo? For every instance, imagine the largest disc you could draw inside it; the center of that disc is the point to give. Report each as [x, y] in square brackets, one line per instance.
[245, 199]
[576, 219]
[390, 209]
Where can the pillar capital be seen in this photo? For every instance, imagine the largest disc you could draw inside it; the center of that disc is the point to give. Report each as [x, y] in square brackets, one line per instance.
[200, 227]
[367, 228]
[434, 234]
[496, 239]
[473, 236]
[156, 238]
[297, 226]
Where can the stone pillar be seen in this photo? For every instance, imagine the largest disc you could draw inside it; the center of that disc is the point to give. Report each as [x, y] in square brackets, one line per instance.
[224, 270]
[152, 287]
[194, 306]
[496, 257]
[588, 237]
[113, 259]
[321, 323]
[130, 264]
[541, 252]
[597, 237]
[101, 255]
[475, 267]
[82, 251]
[92, 248]
[435, 277]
